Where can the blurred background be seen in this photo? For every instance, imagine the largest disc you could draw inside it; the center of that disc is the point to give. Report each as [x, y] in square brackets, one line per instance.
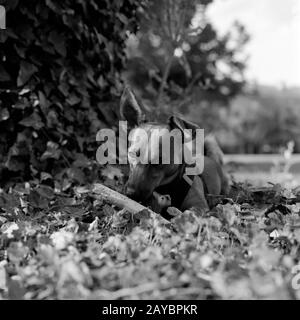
[232, 66]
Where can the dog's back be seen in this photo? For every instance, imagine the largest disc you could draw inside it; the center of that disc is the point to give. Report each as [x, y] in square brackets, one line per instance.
[214, 175]
[213, 150]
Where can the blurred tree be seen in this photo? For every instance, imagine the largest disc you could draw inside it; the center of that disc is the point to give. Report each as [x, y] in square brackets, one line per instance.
[263, 120]
[178, 50]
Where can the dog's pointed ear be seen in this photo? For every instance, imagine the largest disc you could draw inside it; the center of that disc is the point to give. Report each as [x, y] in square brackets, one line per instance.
[130, 108]
[181, 124]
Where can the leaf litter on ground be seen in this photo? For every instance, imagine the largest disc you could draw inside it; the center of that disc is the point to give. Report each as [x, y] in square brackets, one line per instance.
[57, 244]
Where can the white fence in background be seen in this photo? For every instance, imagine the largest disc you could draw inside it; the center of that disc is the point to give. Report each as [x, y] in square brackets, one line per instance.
[263, 159]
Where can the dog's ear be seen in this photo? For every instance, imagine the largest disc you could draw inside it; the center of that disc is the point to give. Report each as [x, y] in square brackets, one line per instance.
[181, 124]
[131, 108]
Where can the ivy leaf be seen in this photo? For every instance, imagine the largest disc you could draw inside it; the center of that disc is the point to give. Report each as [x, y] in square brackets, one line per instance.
[4, 114]
[33, 121]
[52, 152]
[15, 163]
[58, 42]
[43, 102]
[73, 99]
[122, 18]
[27, 70]
[12, 4]
[4, 76]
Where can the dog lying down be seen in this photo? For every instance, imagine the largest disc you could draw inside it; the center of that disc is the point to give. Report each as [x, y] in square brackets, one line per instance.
[163, 185]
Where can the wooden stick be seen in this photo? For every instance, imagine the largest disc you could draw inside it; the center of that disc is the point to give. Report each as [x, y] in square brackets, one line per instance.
[124, 202]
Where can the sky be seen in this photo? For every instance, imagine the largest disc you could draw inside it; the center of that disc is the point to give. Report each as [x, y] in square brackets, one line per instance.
[274, 27]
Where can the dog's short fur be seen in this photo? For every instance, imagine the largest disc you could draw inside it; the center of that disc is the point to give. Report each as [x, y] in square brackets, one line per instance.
[168, 179]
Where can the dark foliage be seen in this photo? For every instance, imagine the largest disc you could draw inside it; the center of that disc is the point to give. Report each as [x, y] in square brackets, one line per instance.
[60, 64]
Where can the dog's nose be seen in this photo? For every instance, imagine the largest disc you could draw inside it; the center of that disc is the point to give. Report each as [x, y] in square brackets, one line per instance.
[136, 193]
[130, 192]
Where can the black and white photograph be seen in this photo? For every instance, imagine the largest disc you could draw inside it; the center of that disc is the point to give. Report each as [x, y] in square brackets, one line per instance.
[149, 150]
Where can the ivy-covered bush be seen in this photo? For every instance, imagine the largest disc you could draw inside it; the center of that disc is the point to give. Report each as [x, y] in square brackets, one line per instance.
[60, 64]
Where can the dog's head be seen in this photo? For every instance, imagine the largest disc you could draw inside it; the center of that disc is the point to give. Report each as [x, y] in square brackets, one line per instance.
[151, 165]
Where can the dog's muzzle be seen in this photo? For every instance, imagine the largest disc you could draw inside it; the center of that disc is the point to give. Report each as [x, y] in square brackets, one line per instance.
[130, 192]
[135, 194]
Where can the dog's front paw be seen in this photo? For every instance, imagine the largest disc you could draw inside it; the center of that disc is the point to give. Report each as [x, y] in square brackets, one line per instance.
[160, 202]
[174, 212]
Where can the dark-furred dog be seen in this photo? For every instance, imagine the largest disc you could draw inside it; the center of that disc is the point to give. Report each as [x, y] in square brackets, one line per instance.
[148, 179]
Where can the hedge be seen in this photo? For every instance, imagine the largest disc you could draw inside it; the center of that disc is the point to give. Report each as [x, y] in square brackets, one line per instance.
[60, 77]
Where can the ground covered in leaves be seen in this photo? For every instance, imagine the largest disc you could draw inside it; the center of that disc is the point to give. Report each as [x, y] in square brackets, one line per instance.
[62, 243]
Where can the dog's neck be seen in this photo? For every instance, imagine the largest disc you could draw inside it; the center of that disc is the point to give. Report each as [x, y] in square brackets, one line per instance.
[177, 188]
[177, 175]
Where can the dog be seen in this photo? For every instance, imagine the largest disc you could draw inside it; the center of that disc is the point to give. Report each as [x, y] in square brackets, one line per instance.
[148, 181]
